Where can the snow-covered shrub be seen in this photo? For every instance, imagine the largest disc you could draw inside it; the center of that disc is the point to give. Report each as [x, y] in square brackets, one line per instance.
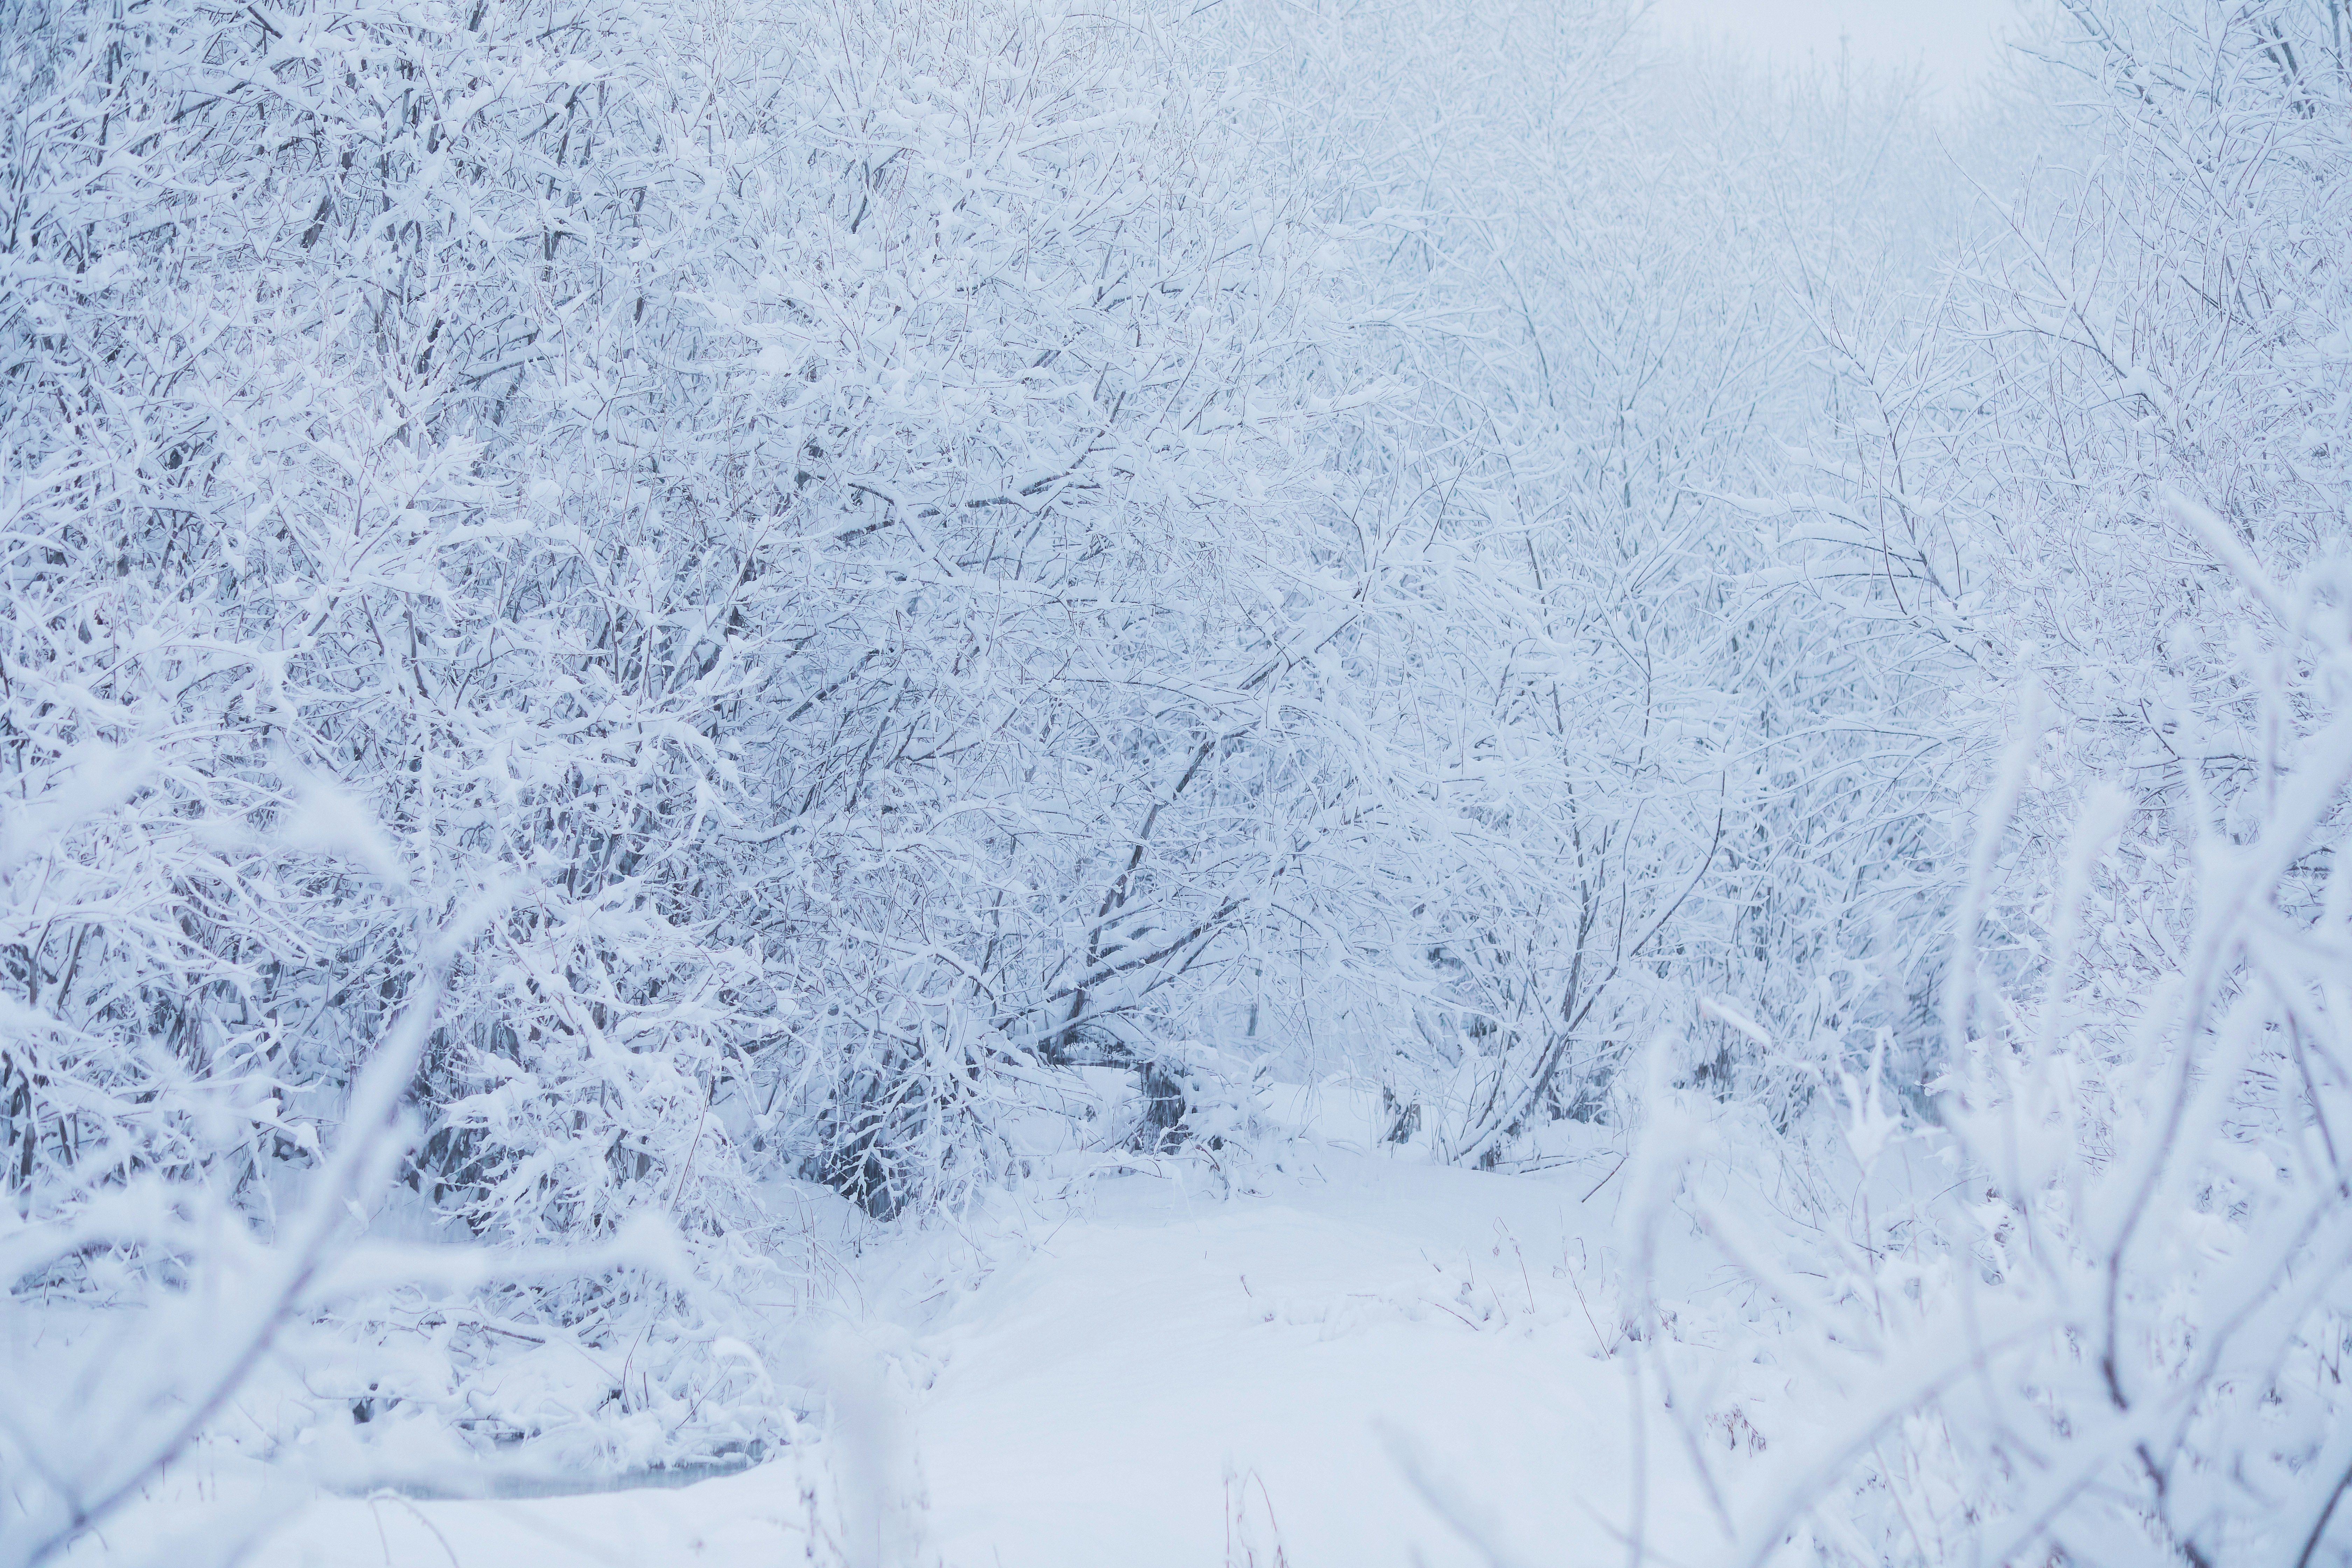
[1988, 495]
[1616, 765]
[1047, 568]
[810, 512]
[2107, 478]
[2106, 1317]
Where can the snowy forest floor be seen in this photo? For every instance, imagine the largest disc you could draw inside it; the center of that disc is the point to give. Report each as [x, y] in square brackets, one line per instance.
[1351, 1360]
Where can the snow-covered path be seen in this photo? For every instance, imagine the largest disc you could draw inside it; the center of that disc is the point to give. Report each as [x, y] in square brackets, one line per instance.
[1142, 1377]
[1165, 1379]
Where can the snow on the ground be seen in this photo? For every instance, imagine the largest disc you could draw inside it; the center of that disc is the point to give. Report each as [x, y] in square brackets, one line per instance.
[1328, 1366]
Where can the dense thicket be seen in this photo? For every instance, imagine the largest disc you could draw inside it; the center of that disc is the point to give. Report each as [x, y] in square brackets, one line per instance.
[754, 526]
[904, 595]
[875, 555]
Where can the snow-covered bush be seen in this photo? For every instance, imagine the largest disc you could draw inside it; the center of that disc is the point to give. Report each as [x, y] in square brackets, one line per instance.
[813, 512]
[1617, 765]
[2104, 1315]
[2106, 479]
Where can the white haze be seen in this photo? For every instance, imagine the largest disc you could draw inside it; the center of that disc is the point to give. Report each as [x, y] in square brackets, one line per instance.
[1955, 40]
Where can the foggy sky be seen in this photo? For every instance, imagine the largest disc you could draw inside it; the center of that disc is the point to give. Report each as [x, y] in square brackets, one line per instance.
[1954, 37]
